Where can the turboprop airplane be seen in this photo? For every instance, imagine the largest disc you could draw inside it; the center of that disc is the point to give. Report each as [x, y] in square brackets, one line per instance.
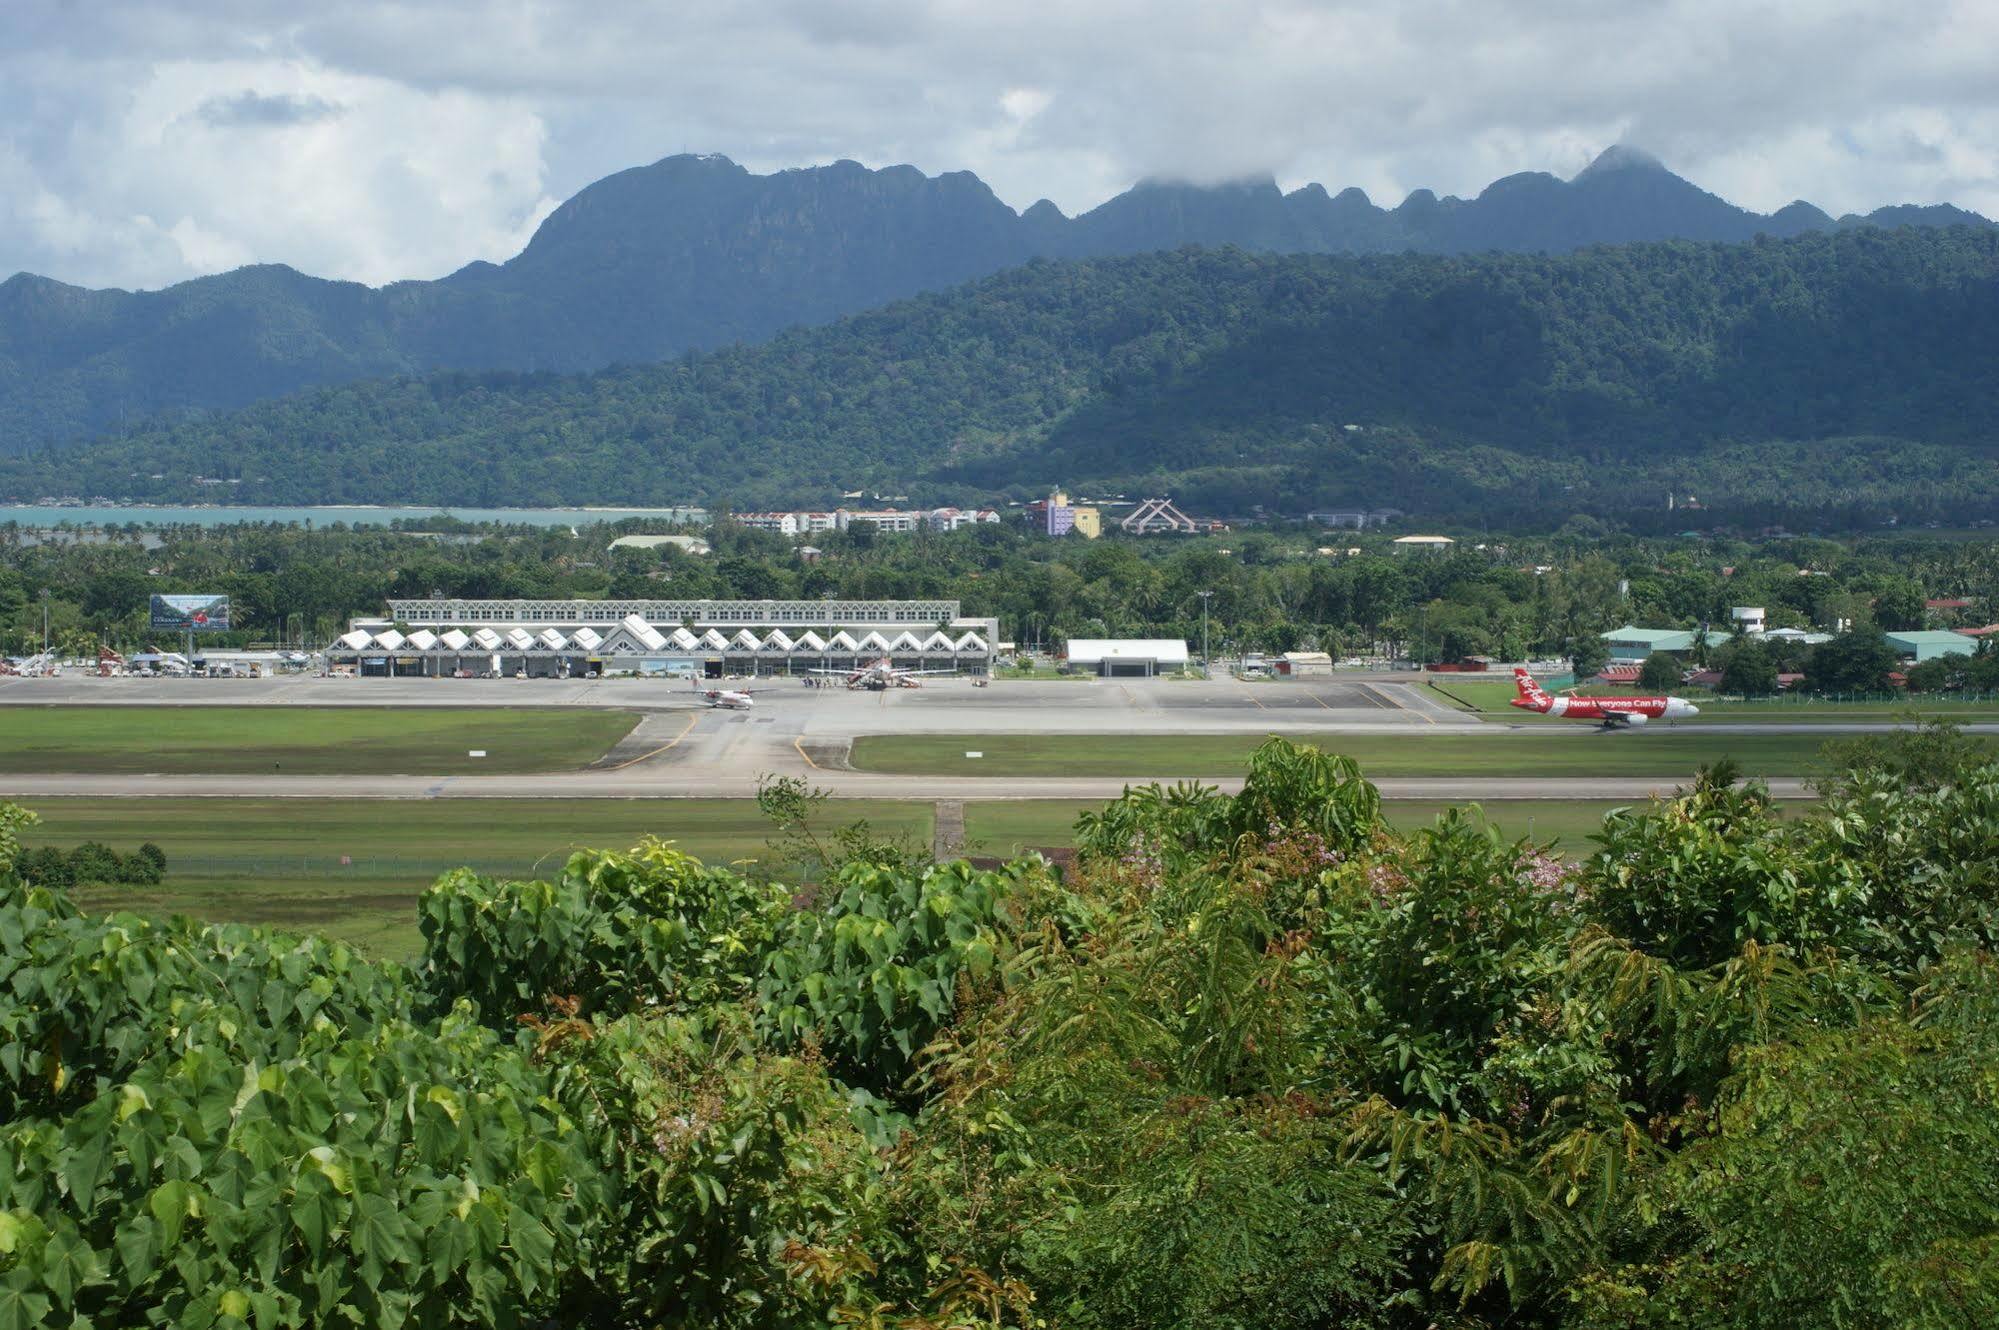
[735, 699]
[1612, 713]
[879, 674]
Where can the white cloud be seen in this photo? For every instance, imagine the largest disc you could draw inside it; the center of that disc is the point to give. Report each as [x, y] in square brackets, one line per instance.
[144, 140]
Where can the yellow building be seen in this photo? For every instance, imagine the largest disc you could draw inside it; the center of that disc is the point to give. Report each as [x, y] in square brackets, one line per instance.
[1089, 523]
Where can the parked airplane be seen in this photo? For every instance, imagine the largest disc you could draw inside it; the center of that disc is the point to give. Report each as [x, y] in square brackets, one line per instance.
[1610, 712]
[735, 699]
[879, 674]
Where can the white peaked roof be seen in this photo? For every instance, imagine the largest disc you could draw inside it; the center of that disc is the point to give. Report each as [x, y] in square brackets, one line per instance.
[551, 639]
[684, 640]
[969, 642]
[453, 640]
[745, 639]
[906, 642]
[355, 640]
[874, 642]
[937, 641]
[777, 641]
[809, 641]
[843, 641]
[520, 639]
[714, 641]
[643, 633]
[486, 639]
[422, 639]
[389, 639]
[587, 638]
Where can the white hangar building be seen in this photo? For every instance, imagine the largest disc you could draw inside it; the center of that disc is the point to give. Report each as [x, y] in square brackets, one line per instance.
[709, 638]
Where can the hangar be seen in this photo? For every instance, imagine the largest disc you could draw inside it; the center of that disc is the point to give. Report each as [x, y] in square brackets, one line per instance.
[1127, 657]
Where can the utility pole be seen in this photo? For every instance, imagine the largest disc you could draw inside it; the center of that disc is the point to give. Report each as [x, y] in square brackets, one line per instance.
[45, 627]
[1206, 665]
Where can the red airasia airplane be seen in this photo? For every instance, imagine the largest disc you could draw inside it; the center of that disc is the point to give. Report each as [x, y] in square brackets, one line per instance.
[1610, 712]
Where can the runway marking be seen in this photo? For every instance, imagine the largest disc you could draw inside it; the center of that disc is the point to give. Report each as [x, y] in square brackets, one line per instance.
[1393, 705]
[1259, 705]
[661, 749]
[1320, 700]
[799, 744]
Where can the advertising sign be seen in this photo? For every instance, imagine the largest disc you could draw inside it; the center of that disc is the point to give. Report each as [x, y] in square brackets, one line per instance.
[190, 614]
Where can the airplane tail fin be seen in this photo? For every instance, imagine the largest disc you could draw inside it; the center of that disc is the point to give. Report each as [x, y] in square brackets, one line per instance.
[1527, 688]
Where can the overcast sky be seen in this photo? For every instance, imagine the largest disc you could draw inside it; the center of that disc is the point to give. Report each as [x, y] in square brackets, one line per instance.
[145, 141]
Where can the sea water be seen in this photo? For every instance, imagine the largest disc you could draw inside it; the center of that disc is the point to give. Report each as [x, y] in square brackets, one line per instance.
[38, 515]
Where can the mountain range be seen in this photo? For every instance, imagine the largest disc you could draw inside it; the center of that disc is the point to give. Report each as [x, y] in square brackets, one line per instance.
[695, 252]
[1833, 378]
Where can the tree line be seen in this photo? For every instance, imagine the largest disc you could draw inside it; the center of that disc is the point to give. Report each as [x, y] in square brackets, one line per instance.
[1287, 588]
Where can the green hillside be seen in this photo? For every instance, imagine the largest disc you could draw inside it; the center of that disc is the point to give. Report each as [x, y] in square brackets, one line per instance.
[1842, 376]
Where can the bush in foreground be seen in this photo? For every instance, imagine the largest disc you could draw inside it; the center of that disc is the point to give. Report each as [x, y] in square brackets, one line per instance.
[1257, 1061]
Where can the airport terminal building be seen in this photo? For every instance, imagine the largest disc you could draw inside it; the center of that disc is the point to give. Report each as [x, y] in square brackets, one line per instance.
[701, 638]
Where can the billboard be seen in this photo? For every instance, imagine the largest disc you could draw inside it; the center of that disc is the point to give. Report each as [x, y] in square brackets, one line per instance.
[191, 614]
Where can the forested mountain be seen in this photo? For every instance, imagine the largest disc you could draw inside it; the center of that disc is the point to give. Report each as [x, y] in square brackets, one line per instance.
[1845, 375]
[696, 253]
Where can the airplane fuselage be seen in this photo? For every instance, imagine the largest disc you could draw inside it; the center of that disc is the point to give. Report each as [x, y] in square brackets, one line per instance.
[1611, 712]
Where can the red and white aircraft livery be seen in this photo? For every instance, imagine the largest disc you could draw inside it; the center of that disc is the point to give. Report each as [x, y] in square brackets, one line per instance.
[1610, 712]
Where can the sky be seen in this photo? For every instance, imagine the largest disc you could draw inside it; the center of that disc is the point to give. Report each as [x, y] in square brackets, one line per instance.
[143, 142]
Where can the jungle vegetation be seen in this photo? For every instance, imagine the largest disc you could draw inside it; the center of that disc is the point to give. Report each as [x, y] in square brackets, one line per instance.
[1836, 378]
[1252, 1061]
[1507, 596]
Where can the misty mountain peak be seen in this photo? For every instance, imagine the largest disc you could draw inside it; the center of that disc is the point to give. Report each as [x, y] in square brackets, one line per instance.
[1622, 157]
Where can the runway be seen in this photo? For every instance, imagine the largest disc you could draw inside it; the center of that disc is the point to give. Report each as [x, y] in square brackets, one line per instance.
[704, 784]
[682, 748]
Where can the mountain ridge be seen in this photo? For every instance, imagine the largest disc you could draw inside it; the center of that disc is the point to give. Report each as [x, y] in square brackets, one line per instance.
[693, 252]
[1846, 372]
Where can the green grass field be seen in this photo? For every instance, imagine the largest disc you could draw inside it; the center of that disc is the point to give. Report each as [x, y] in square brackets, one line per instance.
[1006, 828]
[277, 861]
[428, 741]
[1572, 752]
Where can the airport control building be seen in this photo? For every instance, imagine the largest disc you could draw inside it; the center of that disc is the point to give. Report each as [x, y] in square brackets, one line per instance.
[702, 638]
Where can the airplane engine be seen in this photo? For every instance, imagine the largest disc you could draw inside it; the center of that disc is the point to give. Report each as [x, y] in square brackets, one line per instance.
[1635, 719]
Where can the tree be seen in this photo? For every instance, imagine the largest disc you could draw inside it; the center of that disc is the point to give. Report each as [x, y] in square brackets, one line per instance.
[1855, 662]
[1660, 673]
[1748, 669]
[1588, 655]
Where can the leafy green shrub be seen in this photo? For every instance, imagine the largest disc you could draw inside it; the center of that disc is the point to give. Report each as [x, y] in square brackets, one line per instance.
[1692, 879]
[1209, 1213]
[872, 971]
[1853, 1181]
[85, 1000]
[370, 1178]
[1914, 867]
[91, 864]
[619, 931]
[729, 1155]
[1424, 960]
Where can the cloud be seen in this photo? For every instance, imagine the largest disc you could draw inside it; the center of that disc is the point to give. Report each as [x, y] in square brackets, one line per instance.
[252, 110]
[146, 140]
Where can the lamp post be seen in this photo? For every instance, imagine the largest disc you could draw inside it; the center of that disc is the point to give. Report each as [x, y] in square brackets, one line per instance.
[1206, 669]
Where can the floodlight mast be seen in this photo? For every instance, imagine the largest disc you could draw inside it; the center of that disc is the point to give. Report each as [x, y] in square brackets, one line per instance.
[1206, 665]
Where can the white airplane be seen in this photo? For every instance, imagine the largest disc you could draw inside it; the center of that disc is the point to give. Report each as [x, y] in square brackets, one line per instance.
[734, 699]
[880, 674]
